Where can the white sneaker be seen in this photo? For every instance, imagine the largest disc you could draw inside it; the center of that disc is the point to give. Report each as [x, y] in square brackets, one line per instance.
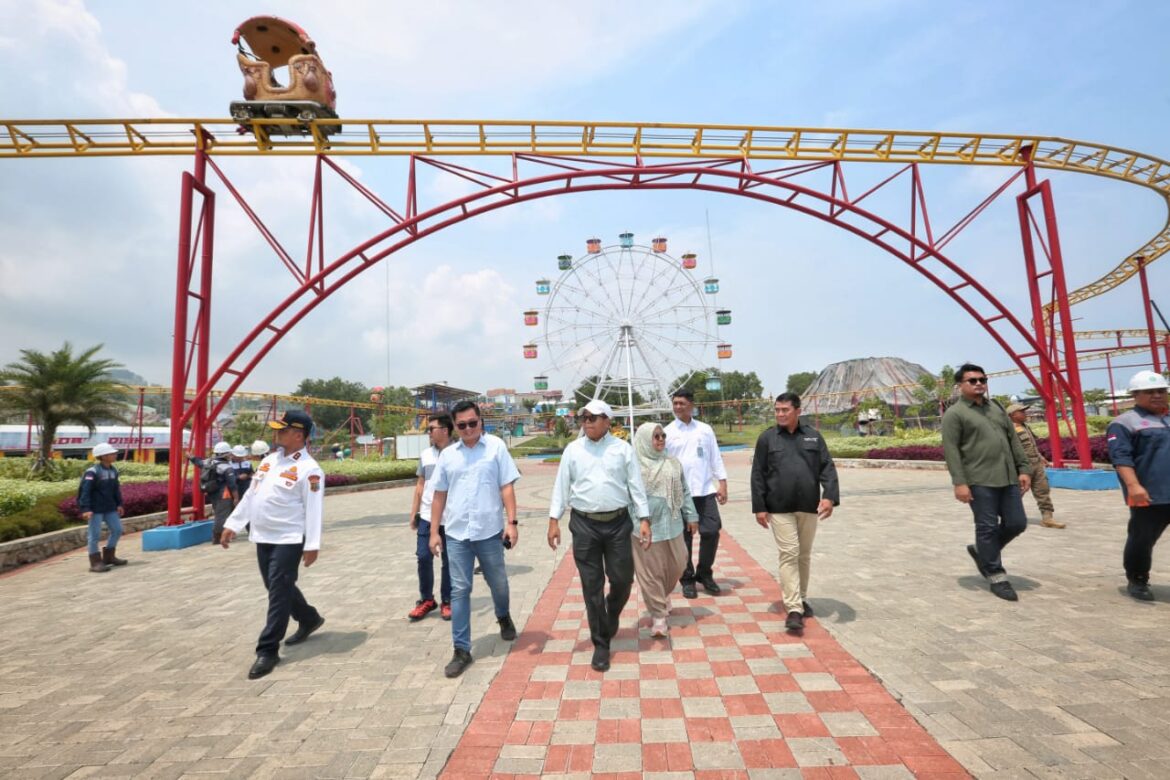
[658, 628]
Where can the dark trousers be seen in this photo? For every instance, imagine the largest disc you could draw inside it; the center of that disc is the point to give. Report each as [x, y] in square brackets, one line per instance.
[999, 518]
[278, 568]
[603, 550]
[1146, 524]
[709, 524]
[426, 565]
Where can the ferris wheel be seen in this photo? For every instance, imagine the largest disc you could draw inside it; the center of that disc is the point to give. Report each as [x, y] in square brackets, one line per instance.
[627, 322]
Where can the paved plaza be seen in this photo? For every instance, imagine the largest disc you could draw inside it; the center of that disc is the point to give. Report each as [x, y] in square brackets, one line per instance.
[141, 672]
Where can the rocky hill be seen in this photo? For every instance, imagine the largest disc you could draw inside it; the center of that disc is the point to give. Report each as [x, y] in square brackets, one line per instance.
[836, 385]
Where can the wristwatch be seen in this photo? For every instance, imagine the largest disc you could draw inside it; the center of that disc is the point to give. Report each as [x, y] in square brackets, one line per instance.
[513, 522]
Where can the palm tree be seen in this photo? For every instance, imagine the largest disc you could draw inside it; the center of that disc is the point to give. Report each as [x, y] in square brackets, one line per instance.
[57, 388]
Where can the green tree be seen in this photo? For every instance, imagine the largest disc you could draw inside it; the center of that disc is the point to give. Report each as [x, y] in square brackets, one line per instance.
[249, 425]
[391, 423]
[734, 385]
[1095, 398]
[615, 396]
[326, 418]
[800, 381]
[58, 388]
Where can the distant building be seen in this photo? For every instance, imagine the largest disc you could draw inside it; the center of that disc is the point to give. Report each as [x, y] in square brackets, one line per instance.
[439, 397]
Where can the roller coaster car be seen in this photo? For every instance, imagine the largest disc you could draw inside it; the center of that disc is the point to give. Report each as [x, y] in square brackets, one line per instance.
[275, 43]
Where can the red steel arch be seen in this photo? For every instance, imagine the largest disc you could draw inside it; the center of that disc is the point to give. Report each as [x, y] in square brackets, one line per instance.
[915, 243]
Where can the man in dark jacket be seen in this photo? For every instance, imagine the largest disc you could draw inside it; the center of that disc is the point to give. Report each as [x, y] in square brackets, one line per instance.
[794, 485]
[100, 500]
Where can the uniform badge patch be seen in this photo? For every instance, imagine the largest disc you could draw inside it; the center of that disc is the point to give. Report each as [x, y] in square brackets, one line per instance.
[315, 483]
[265, 466]
[297, 456]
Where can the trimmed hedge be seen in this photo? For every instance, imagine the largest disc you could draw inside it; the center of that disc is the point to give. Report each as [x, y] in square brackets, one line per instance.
[42, 517]
[1098, 448]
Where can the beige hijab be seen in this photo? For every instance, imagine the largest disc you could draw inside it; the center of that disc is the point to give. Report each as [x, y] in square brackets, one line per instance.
[661, 473]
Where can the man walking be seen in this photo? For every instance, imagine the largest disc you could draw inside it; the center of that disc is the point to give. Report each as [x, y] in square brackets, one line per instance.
[474, 489]
[1018, 414]
[989, 471]
[440, 429]
[284, 507]
[99, 497]
[693, 443]
[598, 479]
[1139, 448]
[794, 486]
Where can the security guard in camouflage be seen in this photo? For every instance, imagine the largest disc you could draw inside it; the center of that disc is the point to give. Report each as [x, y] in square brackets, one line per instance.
[1018, 413]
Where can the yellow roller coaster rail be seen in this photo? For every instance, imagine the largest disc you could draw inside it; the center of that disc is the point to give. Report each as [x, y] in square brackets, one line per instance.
[34, 138]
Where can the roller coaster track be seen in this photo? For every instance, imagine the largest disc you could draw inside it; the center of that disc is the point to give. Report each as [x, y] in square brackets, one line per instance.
[27, 139]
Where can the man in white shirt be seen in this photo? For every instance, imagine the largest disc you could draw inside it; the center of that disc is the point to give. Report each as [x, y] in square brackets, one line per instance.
[440, 428]
[598, 479]
[284, 508]
[473, 491]
[693, 443]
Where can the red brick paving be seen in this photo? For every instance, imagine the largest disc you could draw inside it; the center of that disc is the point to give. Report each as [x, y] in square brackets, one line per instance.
[785, 694]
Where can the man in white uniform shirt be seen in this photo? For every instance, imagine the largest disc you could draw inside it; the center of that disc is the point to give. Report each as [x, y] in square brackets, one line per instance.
[284, 508]
[473, 491]
[440, 428]
[598, 479]
[693, 443]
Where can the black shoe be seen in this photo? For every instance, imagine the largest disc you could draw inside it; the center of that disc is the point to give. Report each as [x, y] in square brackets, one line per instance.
[459, 663]
[974, 553]
[1139, 590]
[507, 628]
[264, 664]
[711, 586]
[303, 631]
[795, 621]
[689, 591]
[1004, 590]
[600, 660]
[808, 612]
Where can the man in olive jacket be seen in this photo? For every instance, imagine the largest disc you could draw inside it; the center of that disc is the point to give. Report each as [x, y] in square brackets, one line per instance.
[794, 485]
[989, 471]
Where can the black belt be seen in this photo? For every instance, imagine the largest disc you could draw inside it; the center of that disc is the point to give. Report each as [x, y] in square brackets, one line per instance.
[602, 517]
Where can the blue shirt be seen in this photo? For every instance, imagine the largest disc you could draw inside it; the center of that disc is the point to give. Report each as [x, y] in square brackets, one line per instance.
[1141, 440]
[472, 479]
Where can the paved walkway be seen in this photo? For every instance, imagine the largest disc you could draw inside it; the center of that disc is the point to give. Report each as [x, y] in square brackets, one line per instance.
[140, 672]
[728, 693]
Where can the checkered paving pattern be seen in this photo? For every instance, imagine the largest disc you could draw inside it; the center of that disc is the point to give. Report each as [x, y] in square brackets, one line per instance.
[730, 694]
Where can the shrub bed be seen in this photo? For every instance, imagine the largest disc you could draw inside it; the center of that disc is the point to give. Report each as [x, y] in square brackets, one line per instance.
[907, 452]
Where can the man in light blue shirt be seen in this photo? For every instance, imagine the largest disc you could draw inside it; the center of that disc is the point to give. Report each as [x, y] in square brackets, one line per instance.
[473, 491]
[599, 477]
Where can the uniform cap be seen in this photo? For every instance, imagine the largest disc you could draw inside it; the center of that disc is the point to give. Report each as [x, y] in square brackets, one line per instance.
[599, 408]
[1016, 408]
[293, 418]
[1147, 380]
[222, 448]
[104, 449]
[240, 451]
[260, 447]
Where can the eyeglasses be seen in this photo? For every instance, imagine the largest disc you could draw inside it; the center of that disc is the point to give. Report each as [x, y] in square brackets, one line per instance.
[661, 436]
[976, 380]
[472, 424]
[433, 428]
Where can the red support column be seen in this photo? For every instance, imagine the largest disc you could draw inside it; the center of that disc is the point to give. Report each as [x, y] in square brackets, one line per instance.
[1155, 359]
[1112, 389]
[190, 345]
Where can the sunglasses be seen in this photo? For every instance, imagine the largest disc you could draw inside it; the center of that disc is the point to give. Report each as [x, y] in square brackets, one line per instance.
[976, 380]
[591, 417]
[661, 436]
[432, 428]
[472, 424]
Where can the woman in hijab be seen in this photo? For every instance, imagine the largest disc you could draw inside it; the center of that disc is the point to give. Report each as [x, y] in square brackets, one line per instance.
[659, 565]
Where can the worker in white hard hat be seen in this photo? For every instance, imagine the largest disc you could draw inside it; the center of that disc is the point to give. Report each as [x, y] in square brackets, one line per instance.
[1139, 448]
[100, 500]
[260, 448]
[217, 480]
[243, 467]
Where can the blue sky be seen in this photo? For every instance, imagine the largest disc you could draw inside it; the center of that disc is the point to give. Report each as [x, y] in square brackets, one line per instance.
[88, 245]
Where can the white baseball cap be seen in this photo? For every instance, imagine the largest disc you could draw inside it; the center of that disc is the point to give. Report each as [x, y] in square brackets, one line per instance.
[222, 448]
[1147, 380]
[260, 447]
[104, 449]
[598, 408]
[240, 451]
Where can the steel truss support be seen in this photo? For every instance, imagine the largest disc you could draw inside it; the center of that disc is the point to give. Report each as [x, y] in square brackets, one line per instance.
[910, 236]
[192, 336]
[1056, 383]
